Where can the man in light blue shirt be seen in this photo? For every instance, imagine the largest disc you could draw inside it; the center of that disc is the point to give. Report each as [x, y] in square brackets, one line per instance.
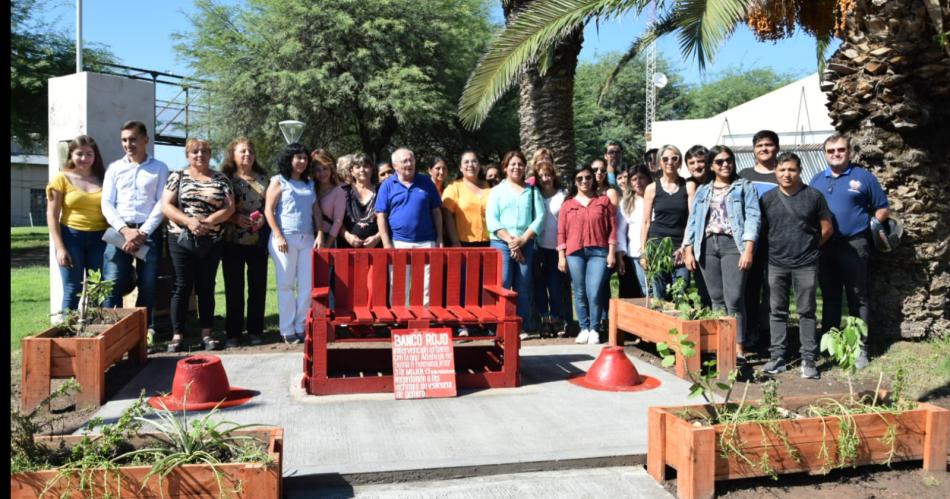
[131, 202]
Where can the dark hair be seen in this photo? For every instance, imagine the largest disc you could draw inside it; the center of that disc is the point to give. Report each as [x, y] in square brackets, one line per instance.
[835, 137]
[286, 158]
[380, 164]
[789, 157]
[613, 142]
[593, 180]
[694, 152]
[716, 151]
[323, 158]
[765, 134]
[229, 166]
[436, 160]
[650, 156]
[98, 169]
[515, 153]
[362, 159]
[627, 202]
[138, 126]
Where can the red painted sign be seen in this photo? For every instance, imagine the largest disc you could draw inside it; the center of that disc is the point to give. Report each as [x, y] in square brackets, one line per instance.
[423, 363]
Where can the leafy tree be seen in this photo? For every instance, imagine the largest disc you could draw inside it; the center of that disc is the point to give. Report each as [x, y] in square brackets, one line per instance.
[620, 114]
[363, 75]
[39, 52]
[731, 88]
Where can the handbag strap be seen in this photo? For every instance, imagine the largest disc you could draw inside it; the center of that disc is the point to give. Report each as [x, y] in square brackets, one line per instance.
[799, 217]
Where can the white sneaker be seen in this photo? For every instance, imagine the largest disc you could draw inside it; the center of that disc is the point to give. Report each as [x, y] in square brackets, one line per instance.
[463, 331]
[593, 338]
[524, 336]
[582, 337]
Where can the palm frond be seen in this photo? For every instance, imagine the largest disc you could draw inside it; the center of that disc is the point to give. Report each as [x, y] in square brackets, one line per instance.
[705, 24]
[822, 41]
[537, 27]
[664, 26]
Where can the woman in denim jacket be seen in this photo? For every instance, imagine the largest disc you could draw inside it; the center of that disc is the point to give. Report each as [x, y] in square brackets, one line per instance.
[723, 227]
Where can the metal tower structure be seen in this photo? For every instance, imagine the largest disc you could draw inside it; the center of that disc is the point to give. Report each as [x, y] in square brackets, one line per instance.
[650, 102]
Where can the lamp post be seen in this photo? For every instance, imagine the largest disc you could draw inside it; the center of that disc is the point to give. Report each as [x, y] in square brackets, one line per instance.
[291, 129]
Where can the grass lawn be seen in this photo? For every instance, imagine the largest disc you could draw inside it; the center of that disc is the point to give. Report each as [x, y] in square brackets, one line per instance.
[28, 238]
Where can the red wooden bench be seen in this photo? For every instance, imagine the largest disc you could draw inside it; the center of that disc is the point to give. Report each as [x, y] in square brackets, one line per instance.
[368, 292]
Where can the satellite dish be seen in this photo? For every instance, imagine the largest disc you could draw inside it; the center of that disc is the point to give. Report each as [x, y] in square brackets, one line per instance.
[660, 80]
[292, 129]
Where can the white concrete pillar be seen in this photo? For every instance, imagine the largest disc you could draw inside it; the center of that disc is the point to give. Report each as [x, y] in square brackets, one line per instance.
[96, 105]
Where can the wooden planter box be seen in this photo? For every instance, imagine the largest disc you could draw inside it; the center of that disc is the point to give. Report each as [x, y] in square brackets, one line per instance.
[48, 356]
[710, 335]
[251, 480]
[695, 452]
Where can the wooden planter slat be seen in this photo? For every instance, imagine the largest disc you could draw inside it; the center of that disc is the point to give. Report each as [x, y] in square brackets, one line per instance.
[696, 454]
[253, 480]
[631, 316]
[48, 356]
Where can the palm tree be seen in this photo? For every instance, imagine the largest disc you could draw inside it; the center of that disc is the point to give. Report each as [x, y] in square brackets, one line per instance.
[888, 87]
[544, 87]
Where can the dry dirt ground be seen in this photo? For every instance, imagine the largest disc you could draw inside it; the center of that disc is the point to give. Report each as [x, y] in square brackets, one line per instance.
[904, 480]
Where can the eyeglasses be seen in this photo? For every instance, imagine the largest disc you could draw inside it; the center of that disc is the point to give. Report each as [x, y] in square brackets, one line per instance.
[670, 159]
[722, 161]
[583, 178]
[839, 150]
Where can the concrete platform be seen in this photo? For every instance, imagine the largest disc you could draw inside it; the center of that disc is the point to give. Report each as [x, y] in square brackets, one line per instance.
[545, 424]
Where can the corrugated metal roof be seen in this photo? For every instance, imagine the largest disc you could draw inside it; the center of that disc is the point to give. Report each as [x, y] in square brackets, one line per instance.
[813, 159]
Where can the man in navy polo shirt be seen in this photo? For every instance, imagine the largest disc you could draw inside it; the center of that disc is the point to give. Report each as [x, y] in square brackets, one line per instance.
[854, 196]
[408, 209]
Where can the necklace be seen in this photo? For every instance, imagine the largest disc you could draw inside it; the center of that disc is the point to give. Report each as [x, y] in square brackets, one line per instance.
[365, 211]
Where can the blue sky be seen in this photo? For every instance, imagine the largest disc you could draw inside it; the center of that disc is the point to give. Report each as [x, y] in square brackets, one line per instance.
[139, 34]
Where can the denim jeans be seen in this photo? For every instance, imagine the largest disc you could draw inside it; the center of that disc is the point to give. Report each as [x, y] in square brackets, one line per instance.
[519, 278]
[803, 281]
[549, 286]
[588, 268]
[664, 280]
[719, 264]
[844, 263]
[193, 273]
[85, 250]
[117, 267]
[236, 259]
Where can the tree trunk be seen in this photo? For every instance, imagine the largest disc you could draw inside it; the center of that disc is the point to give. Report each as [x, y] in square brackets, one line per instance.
[546, 109]
[891, 96]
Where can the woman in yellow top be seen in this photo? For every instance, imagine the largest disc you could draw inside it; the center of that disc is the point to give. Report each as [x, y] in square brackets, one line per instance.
[465, 201]
[74, 216]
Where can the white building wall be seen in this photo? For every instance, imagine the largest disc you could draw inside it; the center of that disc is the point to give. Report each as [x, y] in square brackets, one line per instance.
[796, 112]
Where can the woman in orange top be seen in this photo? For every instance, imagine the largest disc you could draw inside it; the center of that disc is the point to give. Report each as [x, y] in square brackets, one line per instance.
[465, 201]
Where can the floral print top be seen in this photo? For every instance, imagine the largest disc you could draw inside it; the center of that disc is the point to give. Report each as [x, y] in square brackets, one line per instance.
[248, 198]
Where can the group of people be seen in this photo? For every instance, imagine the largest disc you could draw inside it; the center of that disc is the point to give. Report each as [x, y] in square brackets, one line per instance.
[736, 233]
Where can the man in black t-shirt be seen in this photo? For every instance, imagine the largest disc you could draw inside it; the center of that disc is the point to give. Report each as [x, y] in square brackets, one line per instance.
[799, 221]
[765, 148]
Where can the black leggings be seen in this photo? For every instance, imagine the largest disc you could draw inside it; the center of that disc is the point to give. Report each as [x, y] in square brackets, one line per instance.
[192, 273]
[236, 259]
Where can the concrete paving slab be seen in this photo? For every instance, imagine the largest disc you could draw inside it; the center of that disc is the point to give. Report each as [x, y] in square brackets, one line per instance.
[545, 420]
[628, 482]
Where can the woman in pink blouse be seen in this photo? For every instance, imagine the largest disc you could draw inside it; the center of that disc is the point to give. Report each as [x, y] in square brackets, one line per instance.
[331, 196]
[587, 244]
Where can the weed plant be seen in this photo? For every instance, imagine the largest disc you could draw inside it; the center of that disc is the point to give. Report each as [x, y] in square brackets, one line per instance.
[658, 254]
[843, 345]
[95, 290]
[175, 442]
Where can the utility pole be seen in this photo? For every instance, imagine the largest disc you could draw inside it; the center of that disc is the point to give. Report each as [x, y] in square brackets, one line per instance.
[79, 36]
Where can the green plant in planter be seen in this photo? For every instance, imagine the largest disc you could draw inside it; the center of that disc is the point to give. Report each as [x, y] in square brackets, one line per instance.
[95, 290]
[844, 346]
[689, 304]
[659, 260]
[705, 381]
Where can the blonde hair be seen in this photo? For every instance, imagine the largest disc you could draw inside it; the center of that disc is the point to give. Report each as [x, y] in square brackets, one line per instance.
[192, 144]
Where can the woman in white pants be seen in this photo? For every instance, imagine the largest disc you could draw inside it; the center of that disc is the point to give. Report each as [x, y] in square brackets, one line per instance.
[293, 212]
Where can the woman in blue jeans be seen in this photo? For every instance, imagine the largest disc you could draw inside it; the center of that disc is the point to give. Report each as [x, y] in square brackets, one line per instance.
[550, 284]
[722, 230]
[587, 245]
[74, 216]
[515, 216]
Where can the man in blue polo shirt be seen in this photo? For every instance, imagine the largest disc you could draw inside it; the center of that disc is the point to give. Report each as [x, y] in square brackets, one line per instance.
[854, 196]
[408, 209]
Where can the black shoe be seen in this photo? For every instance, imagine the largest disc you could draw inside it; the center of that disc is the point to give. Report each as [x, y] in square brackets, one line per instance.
[810, 370]
[210, 343]
[775, 366]
[232, 342]
[255, 339]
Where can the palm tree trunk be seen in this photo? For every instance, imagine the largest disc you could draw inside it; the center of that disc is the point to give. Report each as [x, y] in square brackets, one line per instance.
[546, 110]
[891, 96]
